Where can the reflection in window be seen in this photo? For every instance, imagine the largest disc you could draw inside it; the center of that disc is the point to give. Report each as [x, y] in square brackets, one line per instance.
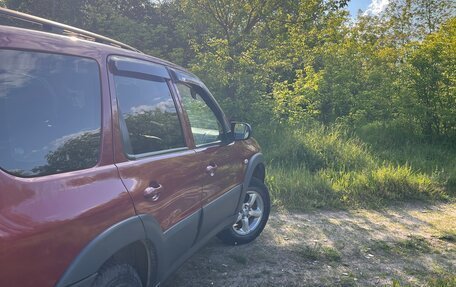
[50, 113]
[148, 115]
[205, 126]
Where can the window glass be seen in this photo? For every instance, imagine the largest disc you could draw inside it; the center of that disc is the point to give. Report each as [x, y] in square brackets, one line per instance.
[50, 113]
[148, 115]
[205, 126]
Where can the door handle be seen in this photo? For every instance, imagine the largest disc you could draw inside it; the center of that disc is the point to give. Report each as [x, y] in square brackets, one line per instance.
[210, 169]
[153, 192]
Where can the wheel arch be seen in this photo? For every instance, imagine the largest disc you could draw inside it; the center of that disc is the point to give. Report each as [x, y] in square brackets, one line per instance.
[114, 245]
[259, 172]
[135, 254]
[255, 168]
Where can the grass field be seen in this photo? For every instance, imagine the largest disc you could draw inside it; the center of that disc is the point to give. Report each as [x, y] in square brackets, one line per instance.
[316, 167]
[371, 207]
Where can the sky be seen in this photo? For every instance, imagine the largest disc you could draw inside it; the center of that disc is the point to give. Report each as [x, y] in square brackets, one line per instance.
[368, 6]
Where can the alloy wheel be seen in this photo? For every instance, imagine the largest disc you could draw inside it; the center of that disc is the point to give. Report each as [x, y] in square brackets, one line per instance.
[249, 217]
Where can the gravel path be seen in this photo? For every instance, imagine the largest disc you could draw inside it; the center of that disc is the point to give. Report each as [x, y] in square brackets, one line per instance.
[412, 244]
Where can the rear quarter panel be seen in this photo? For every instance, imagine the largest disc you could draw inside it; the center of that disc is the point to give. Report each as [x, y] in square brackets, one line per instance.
[46, 221]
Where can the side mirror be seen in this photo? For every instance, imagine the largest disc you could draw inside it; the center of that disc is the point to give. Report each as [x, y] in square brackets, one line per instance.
[241, 131]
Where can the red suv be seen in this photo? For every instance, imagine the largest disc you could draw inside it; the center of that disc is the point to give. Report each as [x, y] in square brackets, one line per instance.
[115, 166]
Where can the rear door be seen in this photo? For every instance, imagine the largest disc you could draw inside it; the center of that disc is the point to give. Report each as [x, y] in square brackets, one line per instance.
[153, 157]
[217, 154]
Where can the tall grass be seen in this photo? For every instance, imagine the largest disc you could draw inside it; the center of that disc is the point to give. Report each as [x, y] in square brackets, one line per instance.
[312, 166]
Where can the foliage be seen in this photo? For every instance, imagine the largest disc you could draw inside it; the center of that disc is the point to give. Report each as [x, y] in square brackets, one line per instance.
[319, 252]
[329, 167]
[350, 112]
[433, 81]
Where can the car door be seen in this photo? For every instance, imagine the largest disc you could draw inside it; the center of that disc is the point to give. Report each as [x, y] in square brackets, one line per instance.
[153, 158]
[217, 154]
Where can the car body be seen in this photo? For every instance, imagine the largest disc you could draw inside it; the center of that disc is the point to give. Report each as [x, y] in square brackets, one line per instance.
[81, 185]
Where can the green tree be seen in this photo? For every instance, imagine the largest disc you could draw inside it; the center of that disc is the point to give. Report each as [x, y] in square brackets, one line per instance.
[226, 52]
[66, 11]
[433, 76]
[411, 20]
[430, 14]
[324, 65]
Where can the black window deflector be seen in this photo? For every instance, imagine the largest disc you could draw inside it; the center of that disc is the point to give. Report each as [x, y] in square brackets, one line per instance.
[183, 77]
[122, 65]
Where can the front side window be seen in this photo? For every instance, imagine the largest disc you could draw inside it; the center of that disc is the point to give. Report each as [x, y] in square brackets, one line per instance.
[204, 124]
[50, 113]
[148, 116]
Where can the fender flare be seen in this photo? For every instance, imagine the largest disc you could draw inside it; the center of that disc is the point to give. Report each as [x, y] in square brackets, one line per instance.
[155, 237]
[254, 161]
[85, 266]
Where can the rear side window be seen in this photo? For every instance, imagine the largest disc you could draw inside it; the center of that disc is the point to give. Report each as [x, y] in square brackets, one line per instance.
[148, 116]
[50, 113]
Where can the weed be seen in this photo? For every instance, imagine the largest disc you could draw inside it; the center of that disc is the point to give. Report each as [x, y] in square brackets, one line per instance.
[396, 283]
[347, 282]
[448, 236]
[447, 281]
[380, 245]
[413, 244]
[308, 253]
[441, 281]
[313, 166]
[331, 254]
[319, 252]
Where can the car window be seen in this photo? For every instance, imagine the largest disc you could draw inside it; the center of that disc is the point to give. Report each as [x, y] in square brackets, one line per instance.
[50, 113]
[147, 115]
[204, 124]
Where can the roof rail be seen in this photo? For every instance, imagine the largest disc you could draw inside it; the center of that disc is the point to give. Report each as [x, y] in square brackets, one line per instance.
[62, 29]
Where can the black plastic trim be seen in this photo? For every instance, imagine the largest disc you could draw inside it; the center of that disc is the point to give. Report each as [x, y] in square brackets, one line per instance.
[184, 77]
[181, 237]
[122, 65]
[154, 235]
[220, 209]
[168, 245]
[101, 248]
[254, 161]
[200, 243]
[87, 282]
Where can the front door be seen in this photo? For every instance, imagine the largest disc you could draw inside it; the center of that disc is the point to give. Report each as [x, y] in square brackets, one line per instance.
[215, 154]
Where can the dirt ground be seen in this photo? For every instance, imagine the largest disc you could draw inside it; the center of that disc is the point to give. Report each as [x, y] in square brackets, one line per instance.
[409, 245]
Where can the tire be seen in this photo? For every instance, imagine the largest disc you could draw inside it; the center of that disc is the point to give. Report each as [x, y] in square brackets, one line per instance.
[252, 218]
[117, 276]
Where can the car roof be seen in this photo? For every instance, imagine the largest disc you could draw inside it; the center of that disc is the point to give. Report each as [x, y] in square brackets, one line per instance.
[50, 36]
[66, 44]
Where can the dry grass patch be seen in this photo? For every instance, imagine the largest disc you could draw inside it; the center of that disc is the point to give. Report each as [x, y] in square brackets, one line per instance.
[411, 245]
